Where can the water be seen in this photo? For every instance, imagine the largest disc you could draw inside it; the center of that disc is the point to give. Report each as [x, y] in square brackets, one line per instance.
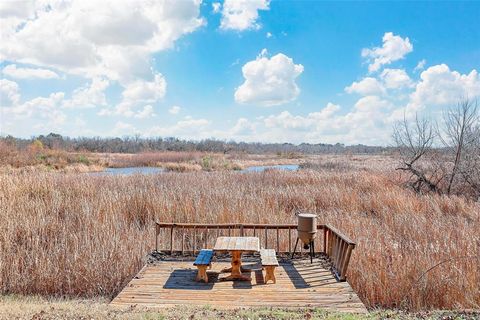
[286, 167]
[130, 170]
[153, 170]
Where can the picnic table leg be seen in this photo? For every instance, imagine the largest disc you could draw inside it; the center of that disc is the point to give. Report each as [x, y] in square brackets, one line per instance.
[270, 274]
[236, 269]
[202, 274]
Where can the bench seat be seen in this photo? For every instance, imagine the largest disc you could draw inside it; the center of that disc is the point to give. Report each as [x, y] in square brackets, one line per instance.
[269, 263]
[203, 260]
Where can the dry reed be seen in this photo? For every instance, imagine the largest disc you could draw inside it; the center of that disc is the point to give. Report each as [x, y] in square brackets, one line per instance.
[81, 235]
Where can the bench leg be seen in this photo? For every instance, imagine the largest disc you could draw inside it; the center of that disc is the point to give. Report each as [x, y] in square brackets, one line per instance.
[270, 274]
[202, 274]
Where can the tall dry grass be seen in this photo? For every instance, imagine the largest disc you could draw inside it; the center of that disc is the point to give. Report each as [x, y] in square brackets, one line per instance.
[81, 235]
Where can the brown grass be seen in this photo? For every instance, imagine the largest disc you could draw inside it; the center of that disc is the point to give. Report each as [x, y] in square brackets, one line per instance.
[81, 235]
[34, 307]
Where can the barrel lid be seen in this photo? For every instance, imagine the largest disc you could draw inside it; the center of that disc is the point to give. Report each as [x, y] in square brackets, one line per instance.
[307, 215]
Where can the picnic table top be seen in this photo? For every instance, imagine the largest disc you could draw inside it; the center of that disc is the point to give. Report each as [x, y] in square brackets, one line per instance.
[248, 244]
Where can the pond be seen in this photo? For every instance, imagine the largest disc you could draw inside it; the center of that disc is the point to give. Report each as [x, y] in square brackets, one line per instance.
[130, 170]
[286, 167]
[153, 170]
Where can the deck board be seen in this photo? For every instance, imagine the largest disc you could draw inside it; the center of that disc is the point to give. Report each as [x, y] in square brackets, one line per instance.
[300, 284]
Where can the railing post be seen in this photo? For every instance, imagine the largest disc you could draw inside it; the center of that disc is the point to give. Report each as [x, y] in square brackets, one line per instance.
[325, 239]
[278, 241]
[241, 230]
[343, 274]
[194, 240]
[171, 239]
[157, 231]
[266, 238]
[183, 240]
[289, 240]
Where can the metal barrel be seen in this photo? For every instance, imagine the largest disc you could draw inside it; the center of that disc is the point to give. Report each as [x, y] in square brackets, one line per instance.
[307, 227]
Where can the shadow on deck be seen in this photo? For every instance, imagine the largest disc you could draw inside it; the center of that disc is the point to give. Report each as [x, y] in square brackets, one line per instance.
[299, 284]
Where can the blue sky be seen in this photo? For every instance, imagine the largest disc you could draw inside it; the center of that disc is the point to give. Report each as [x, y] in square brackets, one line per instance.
[278, 71]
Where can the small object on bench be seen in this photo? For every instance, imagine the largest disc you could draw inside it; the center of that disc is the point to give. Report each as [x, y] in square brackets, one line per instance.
[269, 262]
[203, 260]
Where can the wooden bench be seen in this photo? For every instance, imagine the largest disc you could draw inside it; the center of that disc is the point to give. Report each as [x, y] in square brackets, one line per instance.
[269, 263]
[203, 260]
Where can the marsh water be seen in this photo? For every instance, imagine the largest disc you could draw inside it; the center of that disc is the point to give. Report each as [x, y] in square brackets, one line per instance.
[153, 170]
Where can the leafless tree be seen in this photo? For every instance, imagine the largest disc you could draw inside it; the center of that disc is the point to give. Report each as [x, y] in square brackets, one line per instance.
[461, 137]
[414, 142]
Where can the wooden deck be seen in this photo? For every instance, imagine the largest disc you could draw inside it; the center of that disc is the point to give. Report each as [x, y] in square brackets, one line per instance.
[299, 284]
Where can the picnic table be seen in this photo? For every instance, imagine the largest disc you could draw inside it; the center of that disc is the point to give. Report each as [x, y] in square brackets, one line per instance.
[237, 246]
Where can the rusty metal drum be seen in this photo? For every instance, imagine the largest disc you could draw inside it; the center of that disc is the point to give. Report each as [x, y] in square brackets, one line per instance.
[307, 227]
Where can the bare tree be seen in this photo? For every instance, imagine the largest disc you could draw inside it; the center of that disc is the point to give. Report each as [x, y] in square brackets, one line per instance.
[461, 138]
[414, 142]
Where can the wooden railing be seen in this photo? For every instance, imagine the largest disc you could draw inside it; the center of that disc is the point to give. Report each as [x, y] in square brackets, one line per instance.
[184, 238]
[338, 248]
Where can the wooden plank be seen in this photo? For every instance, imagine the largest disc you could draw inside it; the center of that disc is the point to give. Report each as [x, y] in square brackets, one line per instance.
[298, 284]
[230, 225]
[236, 244]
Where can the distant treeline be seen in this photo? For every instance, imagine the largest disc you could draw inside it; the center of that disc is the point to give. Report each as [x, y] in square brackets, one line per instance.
[136, 144]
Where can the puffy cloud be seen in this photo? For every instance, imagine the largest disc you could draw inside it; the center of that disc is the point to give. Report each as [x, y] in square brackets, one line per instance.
[439, 85]
[187, 128]
[28, 73]
[420, 65]
[242, 14]
[146, 112]
[394, 48]
[367, 122]
[396, 78]
[89, 96]
[137, 93]
[269, 82]
[123, 129]
[216, 6]
[9, 93]
[243, 127]
[92, 38]
[41, 113]
[146, 91]
[174, 110]
[17, 9]
[366, 86]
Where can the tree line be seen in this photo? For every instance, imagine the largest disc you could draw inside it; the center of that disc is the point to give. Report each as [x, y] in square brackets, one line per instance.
[138, 144]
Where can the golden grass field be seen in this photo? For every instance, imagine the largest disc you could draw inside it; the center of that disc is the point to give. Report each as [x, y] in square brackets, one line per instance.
[78, 235]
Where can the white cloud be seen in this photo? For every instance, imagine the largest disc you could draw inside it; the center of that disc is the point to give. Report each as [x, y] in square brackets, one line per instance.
[394, 48]
[41, 113]
[146, 112]
[145, 91]
[89, 96]
[17, 9]
[269, 82]
[242, 15]
[186, 128]
[174, 110]
[395, 78]
[420, 65]
[92, 38]
[136, 94]
[243, 127]
[268, 35]
[366, 123]
[440, 86]
[366, 86]
[9, 93]
[123, 129]
[216, 6]
[28, 73]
